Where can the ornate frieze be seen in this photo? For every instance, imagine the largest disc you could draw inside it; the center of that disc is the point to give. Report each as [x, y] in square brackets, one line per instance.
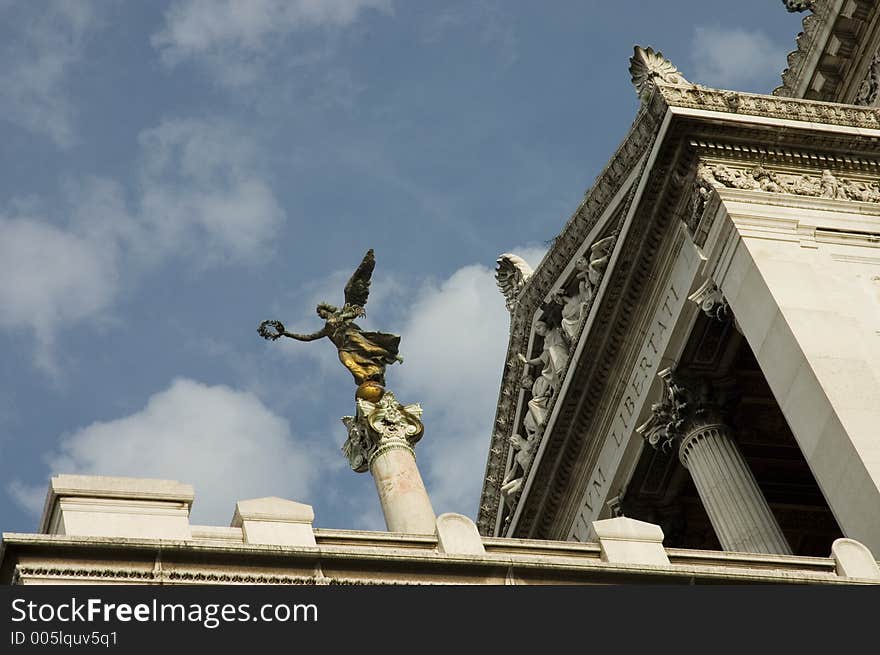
[758, 178]
[558, 331]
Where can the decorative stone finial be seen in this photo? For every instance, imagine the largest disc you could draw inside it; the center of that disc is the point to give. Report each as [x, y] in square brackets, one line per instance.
[799, 5]
[648, 67]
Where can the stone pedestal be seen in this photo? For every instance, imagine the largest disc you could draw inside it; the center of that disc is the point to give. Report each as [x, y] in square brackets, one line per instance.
[381, 439]
[736, 507]
[100, 506]
[691, 417]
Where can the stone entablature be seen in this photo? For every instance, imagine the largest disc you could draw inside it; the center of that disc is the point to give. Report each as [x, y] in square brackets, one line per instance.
[707, 139]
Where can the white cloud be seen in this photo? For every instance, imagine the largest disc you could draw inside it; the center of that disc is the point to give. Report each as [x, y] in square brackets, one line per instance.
[50, 40]
[224, 442]
[735, 58]
[200, 192]
[50, 278]
[201, 198]
[232, 37]
[454, 344]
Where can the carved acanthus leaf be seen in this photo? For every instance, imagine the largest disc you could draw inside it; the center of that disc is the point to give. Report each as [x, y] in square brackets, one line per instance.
[511, 274]
[685, 403]
[377, 424]
[648, 67]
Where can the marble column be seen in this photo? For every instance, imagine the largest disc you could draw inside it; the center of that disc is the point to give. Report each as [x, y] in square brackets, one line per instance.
[405, 502]
[381, 439]
[736, 507]
[690, 417]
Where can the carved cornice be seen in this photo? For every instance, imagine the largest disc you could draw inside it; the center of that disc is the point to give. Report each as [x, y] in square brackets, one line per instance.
[751, 104]
[828, 49]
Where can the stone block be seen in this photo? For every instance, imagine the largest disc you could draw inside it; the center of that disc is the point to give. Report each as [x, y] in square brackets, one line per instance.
[458, 535]
[101, 506]
[628, 541]
[275, 521]
[854, 560]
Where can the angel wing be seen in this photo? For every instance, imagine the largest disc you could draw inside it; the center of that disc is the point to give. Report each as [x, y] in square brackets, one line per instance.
[511, 274]
[357, 289]
[602, 248]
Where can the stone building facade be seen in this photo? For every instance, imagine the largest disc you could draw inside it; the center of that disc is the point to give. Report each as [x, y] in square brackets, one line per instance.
[692, 386]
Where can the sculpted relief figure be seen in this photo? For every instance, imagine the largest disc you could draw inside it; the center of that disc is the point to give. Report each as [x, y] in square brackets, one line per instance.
[575, 306]
[365, 354]
[538, 408]
[513, 481]
[590, 269]
[553, 357]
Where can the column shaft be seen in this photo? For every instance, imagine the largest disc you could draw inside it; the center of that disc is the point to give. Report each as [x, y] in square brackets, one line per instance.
[736, 507]
[405, 502]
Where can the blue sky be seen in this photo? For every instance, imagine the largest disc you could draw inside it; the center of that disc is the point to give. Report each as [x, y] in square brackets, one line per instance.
[175, 172]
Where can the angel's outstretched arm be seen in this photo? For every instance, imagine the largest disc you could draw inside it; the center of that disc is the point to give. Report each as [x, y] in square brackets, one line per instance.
[273, 330]
[304, 337]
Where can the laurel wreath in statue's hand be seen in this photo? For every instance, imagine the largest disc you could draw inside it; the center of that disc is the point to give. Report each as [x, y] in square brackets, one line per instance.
[271, 330]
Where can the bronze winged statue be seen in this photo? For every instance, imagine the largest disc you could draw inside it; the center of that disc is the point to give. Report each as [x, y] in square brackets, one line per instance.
[364, 354]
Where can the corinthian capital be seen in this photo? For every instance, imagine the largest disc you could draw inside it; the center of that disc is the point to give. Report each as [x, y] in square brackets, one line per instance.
[686, 404]
[378, 427]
